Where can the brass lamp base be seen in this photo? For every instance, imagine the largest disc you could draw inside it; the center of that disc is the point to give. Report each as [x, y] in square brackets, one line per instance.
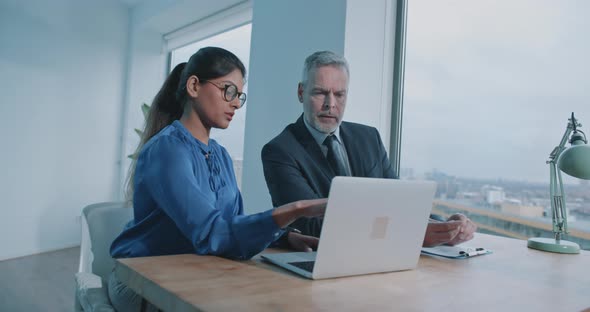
[551, 245]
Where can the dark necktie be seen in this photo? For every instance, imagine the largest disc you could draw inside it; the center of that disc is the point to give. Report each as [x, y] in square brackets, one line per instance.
[335, 157]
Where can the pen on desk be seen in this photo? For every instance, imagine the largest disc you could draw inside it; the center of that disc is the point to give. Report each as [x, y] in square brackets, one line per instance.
[471, 253]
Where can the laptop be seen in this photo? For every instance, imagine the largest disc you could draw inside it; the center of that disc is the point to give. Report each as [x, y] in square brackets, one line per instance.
[371, 225]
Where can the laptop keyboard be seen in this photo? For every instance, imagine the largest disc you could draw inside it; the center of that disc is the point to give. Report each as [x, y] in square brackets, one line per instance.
[304, 265]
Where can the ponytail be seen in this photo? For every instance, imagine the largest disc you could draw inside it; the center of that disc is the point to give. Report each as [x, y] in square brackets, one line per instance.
[168, 106]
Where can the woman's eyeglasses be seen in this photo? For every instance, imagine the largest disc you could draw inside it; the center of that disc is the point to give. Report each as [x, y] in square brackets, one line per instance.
[230, 92]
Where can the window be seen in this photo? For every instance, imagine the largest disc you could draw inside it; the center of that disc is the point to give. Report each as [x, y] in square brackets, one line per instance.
[237, 41]
[489, 88]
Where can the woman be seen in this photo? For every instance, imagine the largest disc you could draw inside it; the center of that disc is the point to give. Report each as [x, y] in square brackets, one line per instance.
[185, 196]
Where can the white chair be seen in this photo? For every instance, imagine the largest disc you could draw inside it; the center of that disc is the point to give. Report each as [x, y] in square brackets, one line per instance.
[101, 223]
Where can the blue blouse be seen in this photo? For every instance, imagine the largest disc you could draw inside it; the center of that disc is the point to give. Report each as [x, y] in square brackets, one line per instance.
[186, 200]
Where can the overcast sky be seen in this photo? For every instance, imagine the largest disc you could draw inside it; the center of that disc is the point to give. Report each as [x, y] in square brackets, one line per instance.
[490, 85]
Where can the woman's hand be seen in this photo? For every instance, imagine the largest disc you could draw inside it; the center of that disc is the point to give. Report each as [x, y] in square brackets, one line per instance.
[286, 214]
[300, 242]
[312, 207]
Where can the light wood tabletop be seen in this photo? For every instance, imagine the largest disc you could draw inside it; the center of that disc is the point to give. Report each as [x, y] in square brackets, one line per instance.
[512, 278]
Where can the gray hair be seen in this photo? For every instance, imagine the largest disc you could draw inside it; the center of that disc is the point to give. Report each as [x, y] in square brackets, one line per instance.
[323, 58]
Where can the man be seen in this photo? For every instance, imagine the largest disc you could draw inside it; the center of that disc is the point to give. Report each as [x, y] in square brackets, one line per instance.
[302, 160]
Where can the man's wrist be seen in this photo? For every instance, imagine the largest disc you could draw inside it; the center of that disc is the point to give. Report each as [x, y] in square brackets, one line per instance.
[289, 229]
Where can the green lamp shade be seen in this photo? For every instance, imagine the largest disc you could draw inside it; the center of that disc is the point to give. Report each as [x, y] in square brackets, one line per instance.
[575, 160]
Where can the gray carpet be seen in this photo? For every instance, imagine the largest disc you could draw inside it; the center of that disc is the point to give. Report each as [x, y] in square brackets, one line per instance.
[43, 282]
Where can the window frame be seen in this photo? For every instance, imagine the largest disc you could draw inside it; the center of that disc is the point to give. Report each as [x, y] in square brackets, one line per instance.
[212, 25]
[397, 99]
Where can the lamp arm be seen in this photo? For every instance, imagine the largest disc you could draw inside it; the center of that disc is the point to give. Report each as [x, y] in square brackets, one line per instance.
[558, 209]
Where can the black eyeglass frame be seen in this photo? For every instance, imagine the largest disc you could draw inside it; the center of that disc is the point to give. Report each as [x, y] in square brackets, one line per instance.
[240, 95]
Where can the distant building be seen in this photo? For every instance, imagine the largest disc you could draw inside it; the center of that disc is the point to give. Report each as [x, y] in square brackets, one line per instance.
[469, 195]
[521, 210]
[494, 195]
[406, 173]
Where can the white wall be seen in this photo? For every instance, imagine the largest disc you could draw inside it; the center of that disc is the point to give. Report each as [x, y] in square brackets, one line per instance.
[145, 75]
[284, 33]
[61, 90]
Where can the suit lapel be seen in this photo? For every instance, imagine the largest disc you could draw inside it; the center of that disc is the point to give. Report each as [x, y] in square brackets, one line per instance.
[311, 146]
[352, 150]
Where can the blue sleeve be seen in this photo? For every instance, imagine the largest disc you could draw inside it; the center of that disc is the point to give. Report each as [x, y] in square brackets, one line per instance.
[169, 176]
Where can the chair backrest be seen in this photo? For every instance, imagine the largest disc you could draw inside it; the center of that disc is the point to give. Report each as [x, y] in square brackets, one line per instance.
[105, 222]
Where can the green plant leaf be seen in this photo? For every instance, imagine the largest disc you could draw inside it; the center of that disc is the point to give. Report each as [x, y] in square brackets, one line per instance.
[145, 109]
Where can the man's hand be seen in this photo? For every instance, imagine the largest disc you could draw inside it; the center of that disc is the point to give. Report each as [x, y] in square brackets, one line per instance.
[300, 242]
[467, 228]
[456, 230]
[438, 233]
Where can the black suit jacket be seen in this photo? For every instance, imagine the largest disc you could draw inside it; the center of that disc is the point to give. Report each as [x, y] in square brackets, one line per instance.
[296, 169]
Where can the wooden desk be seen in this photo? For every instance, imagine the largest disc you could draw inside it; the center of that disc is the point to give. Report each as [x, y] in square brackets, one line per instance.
[513, 278]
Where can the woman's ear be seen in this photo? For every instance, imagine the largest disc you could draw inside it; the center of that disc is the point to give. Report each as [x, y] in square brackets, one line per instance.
[193, 86]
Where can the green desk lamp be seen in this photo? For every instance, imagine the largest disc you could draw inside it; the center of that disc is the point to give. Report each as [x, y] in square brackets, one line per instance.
[575, 161]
